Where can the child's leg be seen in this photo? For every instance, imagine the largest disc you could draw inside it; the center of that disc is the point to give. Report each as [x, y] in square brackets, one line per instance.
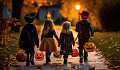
[27, 52]
[85, 53]
[32, 56]
[65, 59]
[48, 57]
[81, 48]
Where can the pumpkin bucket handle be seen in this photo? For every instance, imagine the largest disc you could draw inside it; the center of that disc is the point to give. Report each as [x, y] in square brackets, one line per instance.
[36, 50]
[20, 50]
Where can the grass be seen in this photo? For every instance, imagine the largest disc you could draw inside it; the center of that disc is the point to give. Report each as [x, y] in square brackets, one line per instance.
[109, 45]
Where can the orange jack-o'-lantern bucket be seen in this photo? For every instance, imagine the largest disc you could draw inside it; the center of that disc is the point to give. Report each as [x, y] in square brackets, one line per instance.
[75, 53]
[39, 56]
[57, 54]
[89, 47]
[21, 56]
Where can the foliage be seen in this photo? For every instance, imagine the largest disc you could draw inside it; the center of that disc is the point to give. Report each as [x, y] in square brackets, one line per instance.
[7, 3]
[31, 6]
[109, 15]
[3, 30]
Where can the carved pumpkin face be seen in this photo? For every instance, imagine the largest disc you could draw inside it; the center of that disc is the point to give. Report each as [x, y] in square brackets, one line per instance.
[39, 56]
[75, 53]
[21, 57]
[56, 54]
[89, 47]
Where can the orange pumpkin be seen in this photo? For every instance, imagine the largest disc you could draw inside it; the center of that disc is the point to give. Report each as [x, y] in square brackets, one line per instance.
[21, 57]
[75, 53]
[89, 47]
[39, 56]
[57, 54]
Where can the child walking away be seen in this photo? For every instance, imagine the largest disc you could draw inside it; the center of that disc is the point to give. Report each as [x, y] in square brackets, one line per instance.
[29, 38]
[83, 28]
[48, 43]
[66, 40]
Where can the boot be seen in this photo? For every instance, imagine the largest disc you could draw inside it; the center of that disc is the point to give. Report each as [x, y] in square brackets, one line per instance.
[81, 59]
[27, 63]
[32, 59]
[48, 58]
[85, 59]
[65, 60]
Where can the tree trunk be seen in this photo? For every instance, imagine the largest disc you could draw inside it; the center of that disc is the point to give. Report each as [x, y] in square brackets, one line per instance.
[1, 7]
[16, 12]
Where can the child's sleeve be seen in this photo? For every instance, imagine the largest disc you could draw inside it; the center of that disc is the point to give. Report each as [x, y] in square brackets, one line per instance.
[36, 37]
[77, 28]
[91, 29]
[72, 39]
[55, 35]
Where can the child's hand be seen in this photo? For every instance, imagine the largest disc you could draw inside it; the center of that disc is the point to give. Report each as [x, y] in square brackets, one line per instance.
[58, 45]
[73, 44]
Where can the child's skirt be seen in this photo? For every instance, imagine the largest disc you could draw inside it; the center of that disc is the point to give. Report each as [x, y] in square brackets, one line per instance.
[48, 45]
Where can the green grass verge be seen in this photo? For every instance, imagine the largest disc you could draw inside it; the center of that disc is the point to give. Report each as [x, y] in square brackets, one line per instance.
[109, 45]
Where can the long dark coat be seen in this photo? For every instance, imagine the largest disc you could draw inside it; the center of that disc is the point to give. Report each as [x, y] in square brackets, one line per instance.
[66, 41]
[23, 42]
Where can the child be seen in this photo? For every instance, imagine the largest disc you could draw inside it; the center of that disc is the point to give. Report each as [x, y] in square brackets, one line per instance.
[29, 38]
[66, 40]
[83, 27]
[48, 43]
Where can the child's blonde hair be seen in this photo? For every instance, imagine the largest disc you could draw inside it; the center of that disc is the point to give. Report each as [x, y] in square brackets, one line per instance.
[66, 26]
[48, 24]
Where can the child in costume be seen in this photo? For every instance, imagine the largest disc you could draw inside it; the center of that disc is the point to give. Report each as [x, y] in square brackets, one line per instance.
[66, 40]
[29, 38]
[83, 28]
[48, 43]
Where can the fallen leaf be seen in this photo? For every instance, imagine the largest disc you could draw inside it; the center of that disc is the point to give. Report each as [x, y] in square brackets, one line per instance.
[39, 67]
[92, 68]
[110, 47]
[117, 50]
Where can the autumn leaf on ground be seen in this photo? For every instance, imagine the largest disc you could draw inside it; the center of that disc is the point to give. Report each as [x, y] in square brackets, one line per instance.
[110, 47]
[117, 50]
[92, 68]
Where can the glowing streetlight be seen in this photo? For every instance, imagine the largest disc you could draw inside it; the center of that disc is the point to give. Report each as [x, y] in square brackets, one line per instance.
[78, 8]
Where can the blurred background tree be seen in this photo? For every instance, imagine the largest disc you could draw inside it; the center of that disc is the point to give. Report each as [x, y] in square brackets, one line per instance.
[25, 6]
[109, 15]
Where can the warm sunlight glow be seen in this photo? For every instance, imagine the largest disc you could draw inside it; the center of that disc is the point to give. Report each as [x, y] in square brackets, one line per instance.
[77, 7]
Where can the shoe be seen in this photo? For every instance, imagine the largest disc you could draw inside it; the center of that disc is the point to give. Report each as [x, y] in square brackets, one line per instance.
[32, 62]
[81, 60]
[65, 61]
[27, 64]
[85, 60]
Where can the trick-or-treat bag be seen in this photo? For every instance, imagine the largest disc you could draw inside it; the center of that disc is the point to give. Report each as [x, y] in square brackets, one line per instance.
[75, 52]
[21, 55]
[89, 47]
[39, 56]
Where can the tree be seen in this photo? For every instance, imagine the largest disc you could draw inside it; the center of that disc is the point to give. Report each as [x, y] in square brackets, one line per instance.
[28, 6]
[109, 16]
